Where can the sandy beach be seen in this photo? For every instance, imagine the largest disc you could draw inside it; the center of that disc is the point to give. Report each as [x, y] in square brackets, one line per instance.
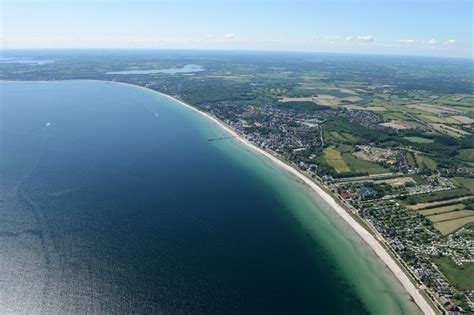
[374, 244]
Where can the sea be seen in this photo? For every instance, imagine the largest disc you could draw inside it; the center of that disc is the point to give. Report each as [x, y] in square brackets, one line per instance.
[113, 200]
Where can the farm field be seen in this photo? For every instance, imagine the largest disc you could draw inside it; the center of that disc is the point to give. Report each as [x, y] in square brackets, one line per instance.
[410, 159]
[438, 210]
[448, 227]
[466, 155]
[394, 116]
[465, 182]
[424, 205]
[341, 137]
[431, 119]
[343, 161]
[419, 140]
[463, 119]
[443, 197]
[349, 137]
[425, 162]
[433, 109]
[450, 131]
[334, 158]
[358, 165]
[446, 219]
[456, 214]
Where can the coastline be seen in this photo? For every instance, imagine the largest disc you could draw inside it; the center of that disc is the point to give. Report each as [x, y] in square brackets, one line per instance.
[370, 239]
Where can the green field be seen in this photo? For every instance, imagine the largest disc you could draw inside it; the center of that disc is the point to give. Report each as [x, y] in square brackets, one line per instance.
[425, 162]
[357, 165]
[360, 166]
[419, 140]
[342, 160]
[339, 137]
[394, 116]
[410, 159]
[434, 211]
[431, 118]
[349, 137]
[442, 196]
[336, 136]
[461, 276]
[466, 155]
[418, 179]
[334, 158]
[465, 182]
[434, 204]
[451, 215]
[465, 102]
[308, 90]
[342, 137]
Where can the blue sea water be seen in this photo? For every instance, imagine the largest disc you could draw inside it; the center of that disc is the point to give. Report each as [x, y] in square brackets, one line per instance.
[112, 200]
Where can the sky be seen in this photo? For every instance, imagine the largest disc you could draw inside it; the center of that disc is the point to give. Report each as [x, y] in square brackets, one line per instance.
[403, 27]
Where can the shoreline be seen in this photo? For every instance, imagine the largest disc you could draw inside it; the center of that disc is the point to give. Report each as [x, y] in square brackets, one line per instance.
[366, 236]
[375, 245]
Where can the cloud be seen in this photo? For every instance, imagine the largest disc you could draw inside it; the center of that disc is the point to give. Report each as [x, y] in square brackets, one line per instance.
[366, 38]
[332, 37]
[407, 41]
[432, 41]
[230, 36]
[450, 42]
[349, 38]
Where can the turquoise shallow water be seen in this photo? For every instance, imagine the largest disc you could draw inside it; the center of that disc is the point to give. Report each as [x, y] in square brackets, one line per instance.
[112, 200]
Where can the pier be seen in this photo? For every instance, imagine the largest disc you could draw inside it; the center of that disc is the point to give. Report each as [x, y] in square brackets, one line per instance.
[220, 138]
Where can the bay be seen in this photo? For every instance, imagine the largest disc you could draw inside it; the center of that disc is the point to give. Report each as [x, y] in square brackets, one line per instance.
[112, 200]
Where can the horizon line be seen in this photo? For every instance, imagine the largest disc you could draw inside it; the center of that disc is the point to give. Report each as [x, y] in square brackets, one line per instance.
[471, 57]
